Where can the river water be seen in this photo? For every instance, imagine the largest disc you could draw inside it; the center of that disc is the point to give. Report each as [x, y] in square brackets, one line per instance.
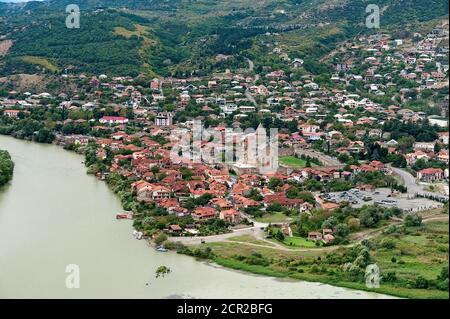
[53, 214]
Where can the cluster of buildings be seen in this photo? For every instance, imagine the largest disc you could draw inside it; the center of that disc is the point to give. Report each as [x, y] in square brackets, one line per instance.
[342, 114]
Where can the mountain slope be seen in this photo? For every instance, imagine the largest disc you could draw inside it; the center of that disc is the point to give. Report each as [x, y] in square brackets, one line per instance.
[174, 37]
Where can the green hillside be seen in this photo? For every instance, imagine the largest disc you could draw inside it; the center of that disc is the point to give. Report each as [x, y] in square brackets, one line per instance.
[184, 36]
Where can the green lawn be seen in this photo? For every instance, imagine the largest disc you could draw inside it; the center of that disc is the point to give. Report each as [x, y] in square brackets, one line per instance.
[298, 242]
[249, 239]
[293, 162]
[277, 217]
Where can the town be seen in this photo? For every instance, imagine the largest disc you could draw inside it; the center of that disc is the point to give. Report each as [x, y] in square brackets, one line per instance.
[365, 149]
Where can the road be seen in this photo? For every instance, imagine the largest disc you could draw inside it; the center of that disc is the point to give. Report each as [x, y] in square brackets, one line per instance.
[258, 234]
[413, 187]
[324, 159]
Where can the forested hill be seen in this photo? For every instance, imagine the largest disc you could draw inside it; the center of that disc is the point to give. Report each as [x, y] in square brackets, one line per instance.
[129, 37]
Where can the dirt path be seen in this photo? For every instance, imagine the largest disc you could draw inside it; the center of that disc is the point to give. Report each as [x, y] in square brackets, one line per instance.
[260, 235]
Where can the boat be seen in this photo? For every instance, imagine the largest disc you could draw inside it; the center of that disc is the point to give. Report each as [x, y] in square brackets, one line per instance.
[123, 216]
[162, 249]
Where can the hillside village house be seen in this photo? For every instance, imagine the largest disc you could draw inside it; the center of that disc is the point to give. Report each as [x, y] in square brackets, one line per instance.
[430, 174]
[113, 120]
[147, 192]
[230, 215]
[11, 113]
[202, 213]
[164, 119]
[424, 146]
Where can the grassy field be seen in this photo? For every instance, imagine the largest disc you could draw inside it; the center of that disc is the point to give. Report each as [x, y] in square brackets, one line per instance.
[424, 251]
[277, 217]
[45, 63]
[384, 289]
[249, 239]
[294, 162]
[298, 242]
[417, 251]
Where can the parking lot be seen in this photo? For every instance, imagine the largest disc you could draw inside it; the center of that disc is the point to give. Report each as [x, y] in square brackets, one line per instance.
[382, 197]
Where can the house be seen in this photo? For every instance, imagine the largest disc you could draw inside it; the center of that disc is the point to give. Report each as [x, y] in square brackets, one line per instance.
[286, 230]
[424, 146]
[306, 207]
[411, 158]
[247, 109]
[113, 120]
[202, 213]
[308, 129]
[328, 238]
[164, 119]
[342, 67]
[430, 175]
[150, 192]
[221, 203]
[230, 215]
[329, 206]
[243, 202]
[314, 235]
[297, 63]
[283, 201]
[443, 156]
[170, 204]
[175, 229]
[11, 113]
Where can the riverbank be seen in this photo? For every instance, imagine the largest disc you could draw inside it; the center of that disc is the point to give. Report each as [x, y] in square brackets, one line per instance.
[80, 228]
[391, 291]
[413, 265]
[333, 277]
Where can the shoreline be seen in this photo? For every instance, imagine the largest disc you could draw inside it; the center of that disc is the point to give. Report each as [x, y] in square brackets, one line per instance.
[263, 271]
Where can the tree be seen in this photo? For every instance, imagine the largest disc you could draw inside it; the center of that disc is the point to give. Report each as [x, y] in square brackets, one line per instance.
[437, 148]
[162, 271]
[279, 235]
[160, 239]
[405, 143]
[6, 167]
[275, 182]
[354, 223]
[413, 220]
[341, 231]
[308, 162]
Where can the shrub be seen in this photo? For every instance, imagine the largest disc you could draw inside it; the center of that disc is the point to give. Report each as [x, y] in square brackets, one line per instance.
[387, 243]
[390, 276]
[413, 220]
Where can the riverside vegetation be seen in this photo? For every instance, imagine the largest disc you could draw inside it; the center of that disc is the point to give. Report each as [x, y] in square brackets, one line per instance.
[6, 168]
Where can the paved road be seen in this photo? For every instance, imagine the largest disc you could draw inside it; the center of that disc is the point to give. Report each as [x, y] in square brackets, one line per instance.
[410, 183]
[260, 235]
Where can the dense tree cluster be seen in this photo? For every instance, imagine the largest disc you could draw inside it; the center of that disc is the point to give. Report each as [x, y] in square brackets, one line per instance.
[6, 167]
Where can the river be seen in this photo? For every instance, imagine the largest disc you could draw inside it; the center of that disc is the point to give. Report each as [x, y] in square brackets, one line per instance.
[53, 214]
